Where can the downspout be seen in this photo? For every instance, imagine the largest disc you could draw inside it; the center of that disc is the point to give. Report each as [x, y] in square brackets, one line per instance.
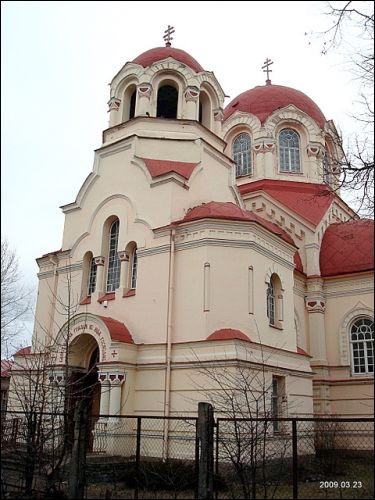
[167, 393]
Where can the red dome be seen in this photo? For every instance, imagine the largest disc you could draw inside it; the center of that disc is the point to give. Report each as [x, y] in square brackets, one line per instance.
[263, 100]
[160, 53]
[347, 247]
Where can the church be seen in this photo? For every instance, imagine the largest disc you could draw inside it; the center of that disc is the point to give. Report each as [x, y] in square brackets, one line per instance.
[209, 237]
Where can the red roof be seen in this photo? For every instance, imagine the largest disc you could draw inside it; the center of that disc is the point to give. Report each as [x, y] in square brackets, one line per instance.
[6, 365]
[227, 334]
[310, 201]
[302, 351]
[230, 211]
[263, 100]
[24, 351]
[298, 262]
[160, 167]
[347, 247]
[117, 330]
[160, 53]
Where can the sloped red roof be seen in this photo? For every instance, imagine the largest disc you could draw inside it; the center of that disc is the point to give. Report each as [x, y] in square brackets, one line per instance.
[263, 100]
[310, 201]
[298, 262]
[117, 330]
[24, 351]
[227, 334]
[347, 247]
[159, 53]
[6, 365]
[302, 351]
[230, 211]
[160, 167]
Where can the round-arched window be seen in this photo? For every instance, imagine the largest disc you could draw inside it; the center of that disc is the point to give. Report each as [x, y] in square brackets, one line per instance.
[242, 154]
[362, 345]
[289, 154]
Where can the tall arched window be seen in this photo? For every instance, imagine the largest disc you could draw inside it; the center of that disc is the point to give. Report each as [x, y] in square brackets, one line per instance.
[132, 105]
[362, 345]
[92, 278]
[289, 151]
[271, 302]
[167, 102]
[134, 266]
[242, 154]
[113, 273]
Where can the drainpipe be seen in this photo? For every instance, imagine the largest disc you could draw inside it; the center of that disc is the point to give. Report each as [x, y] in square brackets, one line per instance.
[167, 394]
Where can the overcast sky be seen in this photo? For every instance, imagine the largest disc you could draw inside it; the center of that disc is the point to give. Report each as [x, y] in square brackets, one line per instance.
[59, 57]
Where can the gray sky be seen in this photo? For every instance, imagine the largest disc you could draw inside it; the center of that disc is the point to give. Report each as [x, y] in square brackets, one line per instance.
[57, 61]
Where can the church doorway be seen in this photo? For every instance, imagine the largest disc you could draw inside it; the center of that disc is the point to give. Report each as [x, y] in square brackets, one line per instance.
[84, 384]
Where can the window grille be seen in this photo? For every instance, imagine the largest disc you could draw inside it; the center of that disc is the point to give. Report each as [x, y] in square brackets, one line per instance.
[271, 303]
[242, 154]
[134, 270]
[92, 278]
[113, 274]
[362, 345]
[289, 151]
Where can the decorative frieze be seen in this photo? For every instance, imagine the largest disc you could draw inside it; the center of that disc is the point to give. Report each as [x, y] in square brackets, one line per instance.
[123, 256]
[315, 150]
[315, 306]
[99, 261]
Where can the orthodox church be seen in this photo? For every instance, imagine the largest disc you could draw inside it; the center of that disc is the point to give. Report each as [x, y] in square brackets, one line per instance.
[210, 236]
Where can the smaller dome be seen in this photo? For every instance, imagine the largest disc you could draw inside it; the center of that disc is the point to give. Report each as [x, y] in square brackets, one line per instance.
[261, 101]
[160, 53]
[347, 247]
[228, 334]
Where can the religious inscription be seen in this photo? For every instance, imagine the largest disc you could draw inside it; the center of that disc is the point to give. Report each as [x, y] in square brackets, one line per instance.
[94, 330]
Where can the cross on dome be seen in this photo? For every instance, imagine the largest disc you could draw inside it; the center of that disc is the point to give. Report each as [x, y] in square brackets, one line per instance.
[167, 37]
[267, 63]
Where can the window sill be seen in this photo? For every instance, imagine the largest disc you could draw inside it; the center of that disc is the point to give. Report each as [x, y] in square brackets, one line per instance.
[107, 296]
[277, 327]
[130, 293]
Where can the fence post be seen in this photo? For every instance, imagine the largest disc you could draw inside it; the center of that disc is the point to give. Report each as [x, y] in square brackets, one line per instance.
[206, 457]
[77, 477]
[295, 459]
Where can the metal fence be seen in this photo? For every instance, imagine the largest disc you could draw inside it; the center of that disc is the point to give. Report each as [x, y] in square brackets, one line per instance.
[54, 456]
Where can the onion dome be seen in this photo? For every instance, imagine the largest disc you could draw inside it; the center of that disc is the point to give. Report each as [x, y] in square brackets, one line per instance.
[347, 247]
[263, 100]
[160, 53]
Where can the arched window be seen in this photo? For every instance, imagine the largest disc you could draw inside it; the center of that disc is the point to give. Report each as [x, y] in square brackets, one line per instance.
[113, 273]
[271, 302]
[289, 151]
[167, 102]
[327, 179]
[133, 272]
[362, 345]
[92, 278]
[242, 154]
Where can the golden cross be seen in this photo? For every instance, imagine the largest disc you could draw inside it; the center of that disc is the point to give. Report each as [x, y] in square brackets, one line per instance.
[167, 37]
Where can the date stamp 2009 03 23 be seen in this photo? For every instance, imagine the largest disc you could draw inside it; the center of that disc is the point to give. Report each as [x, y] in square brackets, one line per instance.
[340, 484]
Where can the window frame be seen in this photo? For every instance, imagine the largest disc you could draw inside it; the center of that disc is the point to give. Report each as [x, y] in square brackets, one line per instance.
[91, 282]
[289, 150]
[114, 265]
[243, 170]
[364, 358]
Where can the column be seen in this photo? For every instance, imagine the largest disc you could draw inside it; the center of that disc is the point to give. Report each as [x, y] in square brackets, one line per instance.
[144, 100]
[104, 395]
[99, 288]
[116, 380]
[117, 440]
[191, 105]
[251, 289]
[100, 431]
[124, 274]
[206, 285]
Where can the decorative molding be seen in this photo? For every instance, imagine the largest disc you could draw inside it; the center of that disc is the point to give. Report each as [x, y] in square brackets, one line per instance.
[144, 90]
[315, 306]
[290, 113]
[123, 256]
[114, 104]
[241, 118]
[191, 93]
[218, 114]
[100, 260]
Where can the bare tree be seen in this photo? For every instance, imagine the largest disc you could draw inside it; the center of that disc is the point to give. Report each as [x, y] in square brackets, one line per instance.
[15, 298]
[352, 32]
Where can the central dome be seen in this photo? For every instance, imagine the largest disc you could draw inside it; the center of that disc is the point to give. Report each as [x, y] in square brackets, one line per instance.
[160, 53]
[261, 101]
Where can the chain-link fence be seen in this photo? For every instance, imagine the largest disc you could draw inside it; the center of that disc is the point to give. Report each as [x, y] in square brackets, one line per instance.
[57, 456]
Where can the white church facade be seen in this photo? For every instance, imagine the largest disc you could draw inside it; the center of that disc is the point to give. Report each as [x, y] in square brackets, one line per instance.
[209, 236]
